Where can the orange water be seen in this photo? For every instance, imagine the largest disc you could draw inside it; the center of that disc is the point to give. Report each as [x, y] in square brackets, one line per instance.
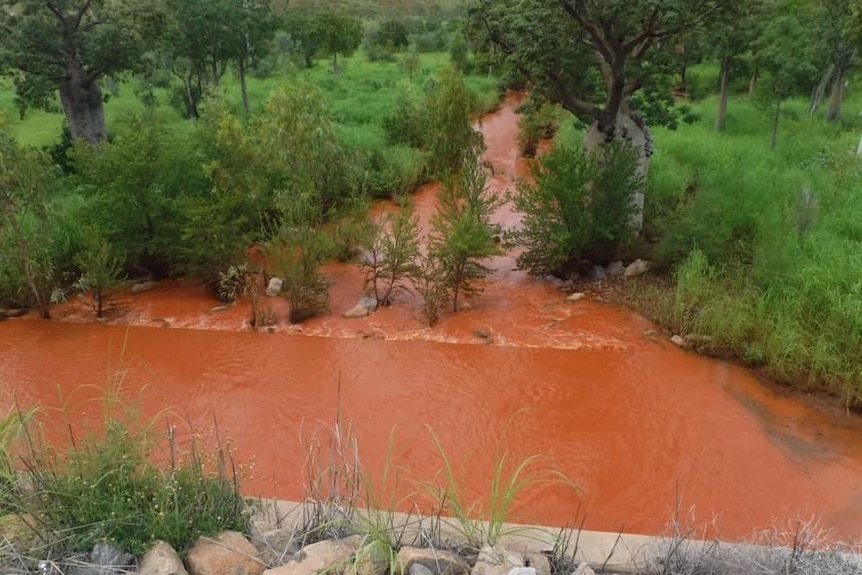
[634, 421]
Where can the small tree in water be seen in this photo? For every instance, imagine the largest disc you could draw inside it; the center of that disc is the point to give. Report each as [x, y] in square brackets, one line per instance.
[463, 235]
[100, 269]
[390, 256]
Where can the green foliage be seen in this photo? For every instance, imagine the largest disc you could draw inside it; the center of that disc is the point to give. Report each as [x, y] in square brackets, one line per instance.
[108, 488]
[72, 46]
[26, 179]
[100, 269]
[409, 121]
[590, 57]
[450, 131]
[391, 254]
[539, 120]
[204, 37]
[136, 186]
[578, 209]
[458, 51]
[462, 233]
[323, 31]
[766, 257]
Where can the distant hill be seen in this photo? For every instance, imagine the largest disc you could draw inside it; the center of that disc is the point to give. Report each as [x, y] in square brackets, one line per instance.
[385, 8]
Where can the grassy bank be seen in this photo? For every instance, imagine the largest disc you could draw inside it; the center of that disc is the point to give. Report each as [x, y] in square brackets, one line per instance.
[764, 247]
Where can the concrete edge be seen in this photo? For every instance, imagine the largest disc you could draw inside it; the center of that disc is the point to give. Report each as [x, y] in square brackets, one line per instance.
[614, 552]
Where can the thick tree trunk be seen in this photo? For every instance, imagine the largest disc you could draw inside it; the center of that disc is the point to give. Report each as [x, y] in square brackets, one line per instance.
[721, 115]
[82, 103]
[775, 120]
[244, 86]
[629, 128]
[817, 95]
[836, 98]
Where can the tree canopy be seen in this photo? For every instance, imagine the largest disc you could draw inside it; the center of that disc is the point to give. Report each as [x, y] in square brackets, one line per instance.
[71, 45]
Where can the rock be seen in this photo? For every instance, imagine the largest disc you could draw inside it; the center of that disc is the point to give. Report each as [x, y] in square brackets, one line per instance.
[678, 340]
[219, 308]
[161, 559]
[372, 334]
[13, 312]
[276, 547]
[228, 553]
[368, 303]
[104, 559]
[437, 561]
[356, 312]
[273, 288]
[372, 559]
[597, 273]
[496, 560]
[636, 268]
[143, 287]
[326, 556]
[22, 532]
[419, 569]
[482, 334]
[696, 339]
[565, 285]
[615, 268]
[584, 569]
[577, 296]
[522, 571]
[538, 561]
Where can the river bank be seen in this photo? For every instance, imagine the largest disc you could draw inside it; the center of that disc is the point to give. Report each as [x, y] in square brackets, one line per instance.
[632, 420]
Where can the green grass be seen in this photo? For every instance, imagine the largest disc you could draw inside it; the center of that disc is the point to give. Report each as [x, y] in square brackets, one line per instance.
[765, 245]
[360, 96]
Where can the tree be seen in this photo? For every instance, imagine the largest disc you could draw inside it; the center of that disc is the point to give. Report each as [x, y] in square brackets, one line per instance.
[837, 47]
[203, 37]
[390, 257]
[99, 268]
[450, 130]
[786, 56]
[341, 34]
[575, 213]
[592, 57]
[26, 178]
[70, 46]
[462, 233]
[327, 31]
[730, 37]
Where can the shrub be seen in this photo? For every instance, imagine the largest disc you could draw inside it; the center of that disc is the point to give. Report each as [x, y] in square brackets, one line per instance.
[578, 210]
[450, 131]
[109, 487]
[391, 254]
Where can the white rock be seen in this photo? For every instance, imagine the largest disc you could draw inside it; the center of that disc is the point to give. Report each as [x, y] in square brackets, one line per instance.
[636, 268]
[326, 556]
[229, 552]
[576, 296]
[161, 559]
[615, 268]
[678, 340]
[143, 287]
[522, 571]
[438, 561]
[584, 569]
[357, 311]
[496, 560]
[274, 287]
[368, 303]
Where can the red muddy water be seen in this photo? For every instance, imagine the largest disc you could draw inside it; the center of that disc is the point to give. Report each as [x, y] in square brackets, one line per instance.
[629, 418]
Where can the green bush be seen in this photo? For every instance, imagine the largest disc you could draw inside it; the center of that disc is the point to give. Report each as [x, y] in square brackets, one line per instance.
[107, 487]
[579, 209]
